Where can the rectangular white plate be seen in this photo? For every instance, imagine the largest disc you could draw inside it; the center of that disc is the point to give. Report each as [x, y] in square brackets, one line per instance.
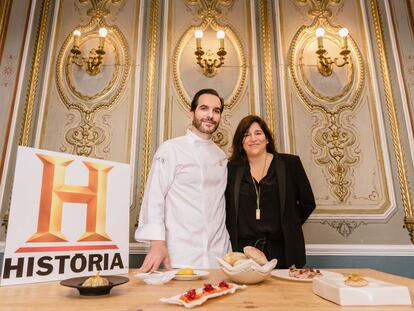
[375, 293]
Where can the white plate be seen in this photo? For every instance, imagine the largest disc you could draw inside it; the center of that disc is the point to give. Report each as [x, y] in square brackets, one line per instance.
[198, 274]
[284, 274]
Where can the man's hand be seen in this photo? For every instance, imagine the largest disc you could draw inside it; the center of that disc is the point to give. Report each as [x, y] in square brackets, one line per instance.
[157, 254]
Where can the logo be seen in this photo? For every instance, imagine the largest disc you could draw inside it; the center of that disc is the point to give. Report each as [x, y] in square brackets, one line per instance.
[59, 222]
[54, 193]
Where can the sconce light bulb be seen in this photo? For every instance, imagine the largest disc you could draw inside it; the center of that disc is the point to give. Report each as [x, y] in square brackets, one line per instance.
[198, 34]
[103, 32]
[343, 32]
[320, 32]
[76, 33]
[220, 34]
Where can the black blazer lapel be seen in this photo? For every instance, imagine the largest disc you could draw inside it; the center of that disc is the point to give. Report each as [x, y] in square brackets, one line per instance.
[237, 182]
[281, 180]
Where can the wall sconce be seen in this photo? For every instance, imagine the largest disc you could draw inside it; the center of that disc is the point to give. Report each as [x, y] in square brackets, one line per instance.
[325, 63]
[208, 62]
[93, 63]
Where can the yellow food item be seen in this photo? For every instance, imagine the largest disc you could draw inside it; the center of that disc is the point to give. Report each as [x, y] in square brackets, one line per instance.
[95, 281]
[355, 280]
[185, 271]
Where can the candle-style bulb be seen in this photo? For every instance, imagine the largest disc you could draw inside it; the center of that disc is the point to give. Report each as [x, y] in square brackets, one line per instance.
[343, 32]
[76, 37]
[220, 37]
[102, 34]
[198, 35]
[320, 32]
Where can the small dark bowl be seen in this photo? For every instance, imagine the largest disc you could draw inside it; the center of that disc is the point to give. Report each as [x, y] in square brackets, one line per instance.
[114, 280]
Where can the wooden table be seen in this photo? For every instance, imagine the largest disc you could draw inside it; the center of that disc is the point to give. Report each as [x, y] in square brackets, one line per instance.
[272, 294]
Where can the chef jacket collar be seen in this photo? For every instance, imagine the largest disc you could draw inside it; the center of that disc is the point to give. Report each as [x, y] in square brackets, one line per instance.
[194, 138]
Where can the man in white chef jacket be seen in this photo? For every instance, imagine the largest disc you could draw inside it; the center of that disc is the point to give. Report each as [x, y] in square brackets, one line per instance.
[183, 210]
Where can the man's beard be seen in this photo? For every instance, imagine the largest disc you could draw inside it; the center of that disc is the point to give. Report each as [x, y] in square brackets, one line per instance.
[198, 124]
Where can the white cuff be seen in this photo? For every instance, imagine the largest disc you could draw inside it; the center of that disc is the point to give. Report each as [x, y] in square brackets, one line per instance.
[149, 232]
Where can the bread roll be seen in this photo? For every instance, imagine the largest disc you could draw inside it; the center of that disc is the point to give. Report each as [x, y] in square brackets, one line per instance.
[255, 254]
[232, 257]
[240, 261]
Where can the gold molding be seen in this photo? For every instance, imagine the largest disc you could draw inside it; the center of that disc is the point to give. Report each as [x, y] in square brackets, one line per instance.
[106, 89]
[34, 75]
[334, 139]
[83, 107]
[4, 18]
[237, 93]
[320, 106]
[393, 118]
[267, 60]
[86, 135]
[149, 94]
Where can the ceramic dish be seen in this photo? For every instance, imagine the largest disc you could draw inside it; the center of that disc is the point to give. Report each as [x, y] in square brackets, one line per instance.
[198, 274]
[246, 277]
[284, 274]
[114, 280]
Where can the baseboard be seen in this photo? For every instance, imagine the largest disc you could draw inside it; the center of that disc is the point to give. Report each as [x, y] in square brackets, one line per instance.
[315, 249]
[359, 250]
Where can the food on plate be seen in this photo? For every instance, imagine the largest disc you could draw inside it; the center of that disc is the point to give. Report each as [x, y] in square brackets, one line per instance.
[224, 285]
[250, 253]
[233, 257]
[185, 271]
[208, 289]
[95, 281]
[355, 280]
[303, 273]
[255, 254]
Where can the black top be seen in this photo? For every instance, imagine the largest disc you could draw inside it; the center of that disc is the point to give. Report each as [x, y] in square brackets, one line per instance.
[269, 224]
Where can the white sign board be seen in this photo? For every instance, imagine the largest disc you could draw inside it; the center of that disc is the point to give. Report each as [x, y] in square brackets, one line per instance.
[69, 217]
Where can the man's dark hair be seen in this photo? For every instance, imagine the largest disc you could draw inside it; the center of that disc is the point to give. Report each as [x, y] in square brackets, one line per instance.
[238, 155]
[194, 102]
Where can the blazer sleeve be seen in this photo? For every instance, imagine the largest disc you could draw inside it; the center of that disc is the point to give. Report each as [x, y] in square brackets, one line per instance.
[305, 199]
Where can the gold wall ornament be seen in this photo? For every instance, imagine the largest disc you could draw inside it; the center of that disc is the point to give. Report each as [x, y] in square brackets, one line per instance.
[4, 18]
[222, 136]
[34, 75]
[394, 122]
[335, 139]
[93, 63]
[267, 63]
[233, 38]
[99, 8]
[336, 143]
[150, 81]
[325, 63]
[207, 60]
[344, 227]
[85, 136]
[88, 92]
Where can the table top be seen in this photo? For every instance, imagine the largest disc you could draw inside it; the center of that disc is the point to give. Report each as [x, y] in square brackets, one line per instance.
[272, 294]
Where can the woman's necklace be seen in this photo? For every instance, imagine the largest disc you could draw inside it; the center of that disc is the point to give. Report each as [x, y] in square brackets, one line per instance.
[257, 189]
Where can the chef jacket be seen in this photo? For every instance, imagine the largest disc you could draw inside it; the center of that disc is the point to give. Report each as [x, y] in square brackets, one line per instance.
[184, 202]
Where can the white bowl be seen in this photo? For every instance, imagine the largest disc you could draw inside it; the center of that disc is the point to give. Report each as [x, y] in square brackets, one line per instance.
[248, 276]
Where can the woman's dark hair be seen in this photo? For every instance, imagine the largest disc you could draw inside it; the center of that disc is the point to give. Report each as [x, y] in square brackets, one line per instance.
[238, 155]
[194, 102]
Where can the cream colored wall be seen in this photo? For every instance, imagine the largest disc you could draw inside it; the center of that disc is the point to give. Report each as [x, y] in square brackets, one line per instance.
[150, 75]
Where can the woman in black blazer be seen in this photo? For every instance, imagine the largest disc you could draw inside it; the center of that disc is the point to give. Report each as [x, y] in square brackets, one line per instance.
[268, 196]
